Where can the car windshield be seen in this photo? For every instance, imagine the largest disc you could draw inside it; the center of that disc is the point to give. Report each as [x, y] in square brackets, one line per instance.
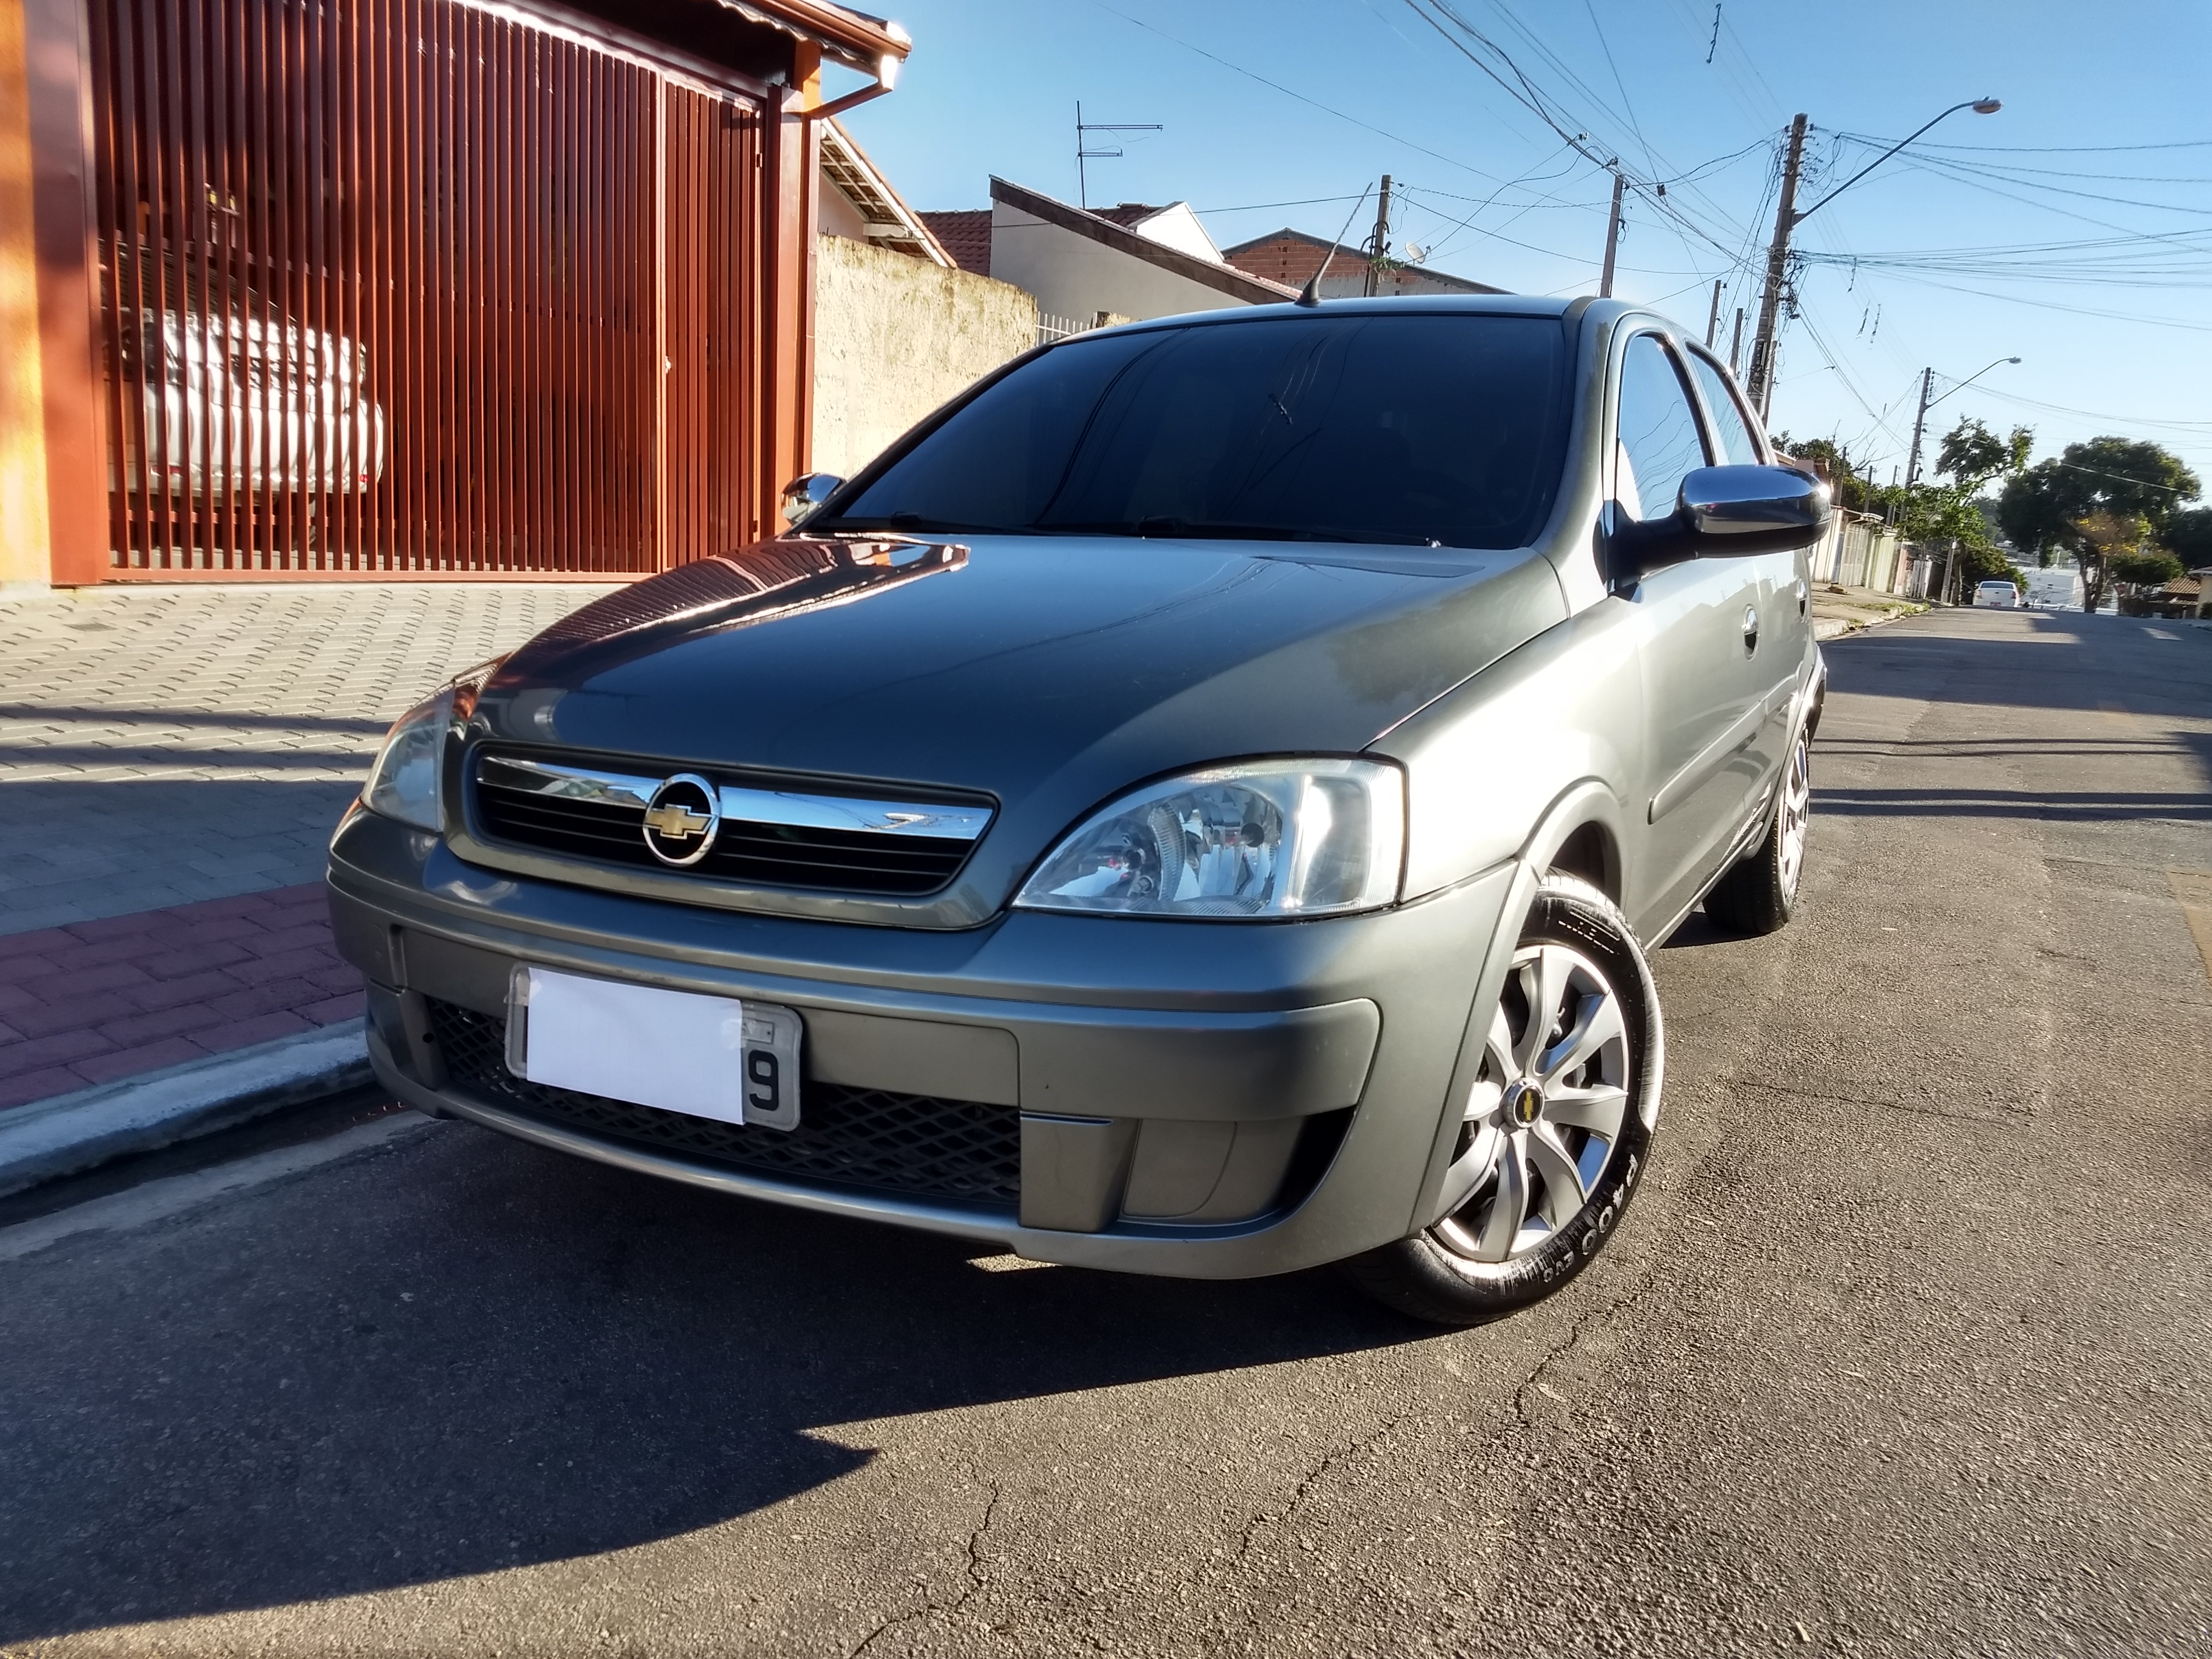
[1421, 429]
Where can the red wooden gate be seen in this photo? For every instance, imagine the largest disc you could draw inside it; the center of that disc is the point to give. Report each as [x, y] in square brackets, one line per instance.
[414, 288]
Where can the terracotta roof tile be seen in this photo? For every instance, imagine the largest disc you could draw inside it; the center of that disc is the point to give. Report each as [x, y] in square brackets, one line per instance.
[965, 234]
[1127, 214]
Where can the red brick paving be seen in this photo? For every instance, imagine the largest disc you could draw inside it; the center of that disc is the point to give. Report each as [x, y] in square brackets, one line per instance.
[98, 1001]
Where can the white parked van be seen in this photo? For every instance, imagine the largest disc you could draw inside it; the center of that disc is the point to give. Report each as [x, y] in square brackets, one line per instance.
[2056, 589]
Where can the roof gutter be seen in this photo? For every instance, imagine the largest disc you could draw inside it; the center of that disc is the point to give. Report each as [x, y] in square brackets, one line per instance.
[869, 44]
[887, 69]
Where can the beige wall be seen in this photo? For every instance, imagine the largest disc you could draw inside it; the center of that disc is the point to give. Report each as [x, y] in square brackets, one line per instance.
[23, 548]
[895, 336]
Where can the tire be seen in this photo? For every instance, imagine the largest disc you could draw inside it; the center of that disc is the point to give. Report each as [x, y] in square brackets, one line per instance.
[1758, 893]
[1578, 983]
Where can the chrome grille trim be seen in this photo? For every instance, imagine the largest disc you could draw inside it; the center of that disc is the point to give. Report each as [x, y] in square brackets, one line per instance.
[794, 809]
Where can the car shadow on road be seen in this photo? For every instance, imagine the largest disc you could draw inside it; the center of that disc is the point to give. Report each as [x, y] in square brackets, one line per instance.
[463, 1354]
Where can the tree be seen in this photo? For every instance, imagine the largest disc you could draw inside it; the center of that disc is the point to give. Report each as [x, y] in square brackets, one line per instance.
[2104, 539]
[2188, 536]
[2111, 483]
[1851, 491]
[1971, 454]
[2151, 568]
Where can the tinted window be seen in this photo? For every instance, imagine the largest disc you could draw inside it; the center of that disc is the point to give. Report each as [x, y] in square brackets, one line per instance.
[1659, 443]
[1729, 430]
[1402, 428]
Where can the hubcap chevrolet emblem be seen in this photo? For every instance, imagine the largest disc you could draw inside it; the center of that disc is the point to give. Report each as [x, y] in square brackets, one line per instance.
[681, 819]
[1524, 1102]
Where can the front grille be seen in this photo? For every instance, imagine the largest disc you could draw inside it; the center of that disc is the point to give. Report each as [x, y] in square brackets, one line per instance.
[746, 853]
[956, 1151]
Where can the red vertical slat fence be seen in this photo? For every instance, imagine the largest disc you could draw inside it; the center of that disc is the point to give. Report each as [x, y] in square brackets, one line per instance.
[408, 287]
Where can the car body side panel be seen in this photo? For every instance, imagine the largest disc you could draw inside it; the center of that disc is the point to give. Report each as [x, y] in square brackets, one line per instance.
[1484, 763]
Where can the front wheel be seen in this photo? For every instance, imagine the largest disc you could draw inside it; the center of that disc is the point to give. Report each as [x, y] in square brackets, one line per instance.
[1556, 1132]
[1759, 894]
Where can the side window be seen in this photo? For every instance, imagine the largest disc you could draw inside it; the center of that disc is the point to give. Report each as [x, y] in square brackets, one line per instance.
[1730, 431]
[1659, 443]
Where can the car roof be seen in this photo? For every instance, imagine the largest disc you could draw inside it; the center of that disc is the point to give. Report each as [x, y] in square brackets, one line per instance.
[1569, 311]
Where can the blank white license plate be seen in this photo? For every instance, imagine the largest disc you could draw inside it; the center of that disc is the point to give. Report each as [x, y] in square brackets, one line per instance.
[704, 1056]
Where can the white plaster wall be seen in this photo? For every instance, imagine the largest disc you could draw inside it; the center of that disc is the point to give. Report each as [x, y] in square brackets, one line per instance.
[895, 336]
[835, 216]
[1178, 228]
[1075, 277]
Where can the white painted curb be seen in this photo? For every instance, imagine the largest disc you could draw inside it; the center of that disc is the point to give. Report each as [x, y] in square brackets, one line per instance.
[75, 1132]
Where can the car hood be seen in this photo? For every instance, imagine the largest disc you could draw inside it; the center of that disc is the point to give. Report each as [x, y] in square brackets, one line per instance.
[1047, 673]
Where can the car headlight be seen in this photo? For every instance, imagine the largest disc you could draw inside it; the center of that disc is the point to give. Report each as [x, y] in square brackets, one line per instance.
[1264, 840]
[403, 784]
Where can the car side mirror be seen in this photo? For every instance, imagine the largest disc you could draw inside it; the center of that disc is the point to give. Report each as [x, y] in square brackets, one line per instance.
[1723, 510]
[1751, 509]
[803, 497]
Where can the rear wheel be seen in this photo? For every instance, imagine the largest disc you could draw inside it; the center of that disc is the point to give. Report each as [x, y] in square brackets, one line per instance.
[1555, 1133]
[1758, 893]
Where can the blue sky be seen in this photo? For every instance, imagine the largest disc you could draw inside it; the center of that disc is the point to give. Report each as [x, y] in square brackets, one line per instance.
[2073, 230]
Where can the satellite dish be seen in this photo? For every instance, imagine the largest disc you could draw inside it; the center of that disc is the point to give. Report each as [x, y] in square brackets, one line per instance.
[1415, 253]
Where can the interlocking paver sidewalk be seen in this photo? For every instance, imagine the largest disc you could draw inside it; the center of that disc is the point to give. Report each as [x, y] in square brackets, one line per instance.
[160, 746]
[172, 762]
[97, 1001]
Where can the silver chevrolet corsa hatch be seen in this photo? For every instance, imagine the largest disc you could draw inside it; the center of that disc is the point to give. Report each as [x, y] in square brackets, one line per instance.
[1200, 804]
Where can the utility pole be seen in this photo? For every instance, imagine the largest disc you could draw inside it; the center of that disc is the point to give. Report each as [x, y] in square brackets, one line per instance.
[1612, 237]
[1777, 260]
[1919, 424]
[1736, 345]
[1713, 316]
[1381, 248]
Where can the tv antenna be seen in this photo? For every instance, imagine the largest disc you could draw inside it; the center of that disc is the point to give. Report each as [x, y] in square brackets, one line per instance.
[1083, 153]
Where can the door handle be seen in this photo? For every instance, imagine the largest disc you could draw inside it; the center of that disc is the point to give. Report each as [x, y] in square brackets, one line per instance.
[1750, 630]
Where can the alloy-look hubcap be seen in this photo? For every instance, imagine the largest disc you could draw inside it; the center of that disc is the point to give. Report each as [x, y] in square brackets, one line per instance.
[1544, 1115]
[1796, 811]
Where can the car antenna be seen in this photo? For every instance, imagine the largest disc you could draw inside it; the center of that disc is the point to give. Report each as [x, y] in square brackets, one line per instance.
[1310, 295]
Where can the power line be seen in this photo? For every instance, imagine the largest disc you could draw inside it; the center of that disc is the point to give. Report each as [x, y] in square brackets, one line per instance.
[2050, 149]
[1314, 103]
[1255, 207]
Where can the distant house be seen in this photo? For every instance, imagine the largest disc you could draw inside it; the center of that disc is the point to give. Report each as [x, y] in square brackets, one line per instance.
[855, 201]
[1290, 258]
[1130, 261]
[2185, 596]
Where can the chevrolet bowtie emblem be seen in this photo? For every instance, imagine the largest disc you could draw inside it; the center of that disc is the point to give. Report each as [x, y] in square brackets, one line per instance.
[676, 823]
[681, 819]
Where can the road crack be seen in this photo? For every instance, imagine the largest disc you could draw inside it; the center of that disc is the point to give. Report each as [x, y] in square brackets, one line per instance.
[972, 1564]
[2007, 1115]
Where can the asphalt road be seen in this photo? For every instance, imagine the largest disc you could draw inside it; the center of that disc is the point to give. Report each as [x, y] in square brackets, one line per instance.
[1902, 1348]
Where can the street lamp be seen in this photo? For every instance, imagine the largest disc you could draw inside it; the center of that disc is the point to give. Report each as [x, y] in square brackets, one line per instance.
[1787, 218]
[1920, 421]
[1980, 106]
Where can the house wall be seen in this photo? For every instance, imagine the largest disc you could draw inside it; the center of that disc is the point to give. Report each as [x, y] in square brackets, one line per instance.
[1178, 228]
[23, 556]
[895, 336]
[1073, 275]
[834, 215]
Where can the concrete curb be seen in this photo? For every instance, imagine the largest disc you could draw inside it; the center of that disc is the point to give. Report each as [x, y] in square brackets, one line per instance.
[1836, 627]
[74, 1132]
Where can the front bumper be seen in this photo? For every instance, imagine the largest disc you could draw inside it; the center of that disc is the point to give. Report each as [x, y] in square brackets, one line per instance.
[1200, 1100]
